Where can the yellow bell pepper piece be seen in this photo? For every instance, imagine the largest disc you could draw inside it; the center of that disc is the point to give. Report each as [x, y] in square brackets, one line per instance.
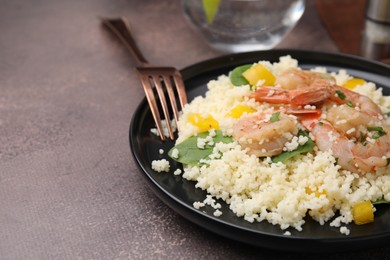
[239, 110]
[363, 213]
[352, 83]
[259, 72]
[203, 123]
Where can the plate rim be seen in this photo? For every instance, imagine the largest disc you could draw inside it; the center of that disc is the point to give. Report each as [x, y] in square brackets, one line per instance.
[328, 55]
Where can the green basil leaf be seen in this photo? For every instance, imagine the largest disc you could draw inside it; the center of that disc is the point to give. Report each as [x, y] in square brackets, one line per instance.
[375, 128]
[307, 147]
[275, 117]
[381, 201]
[380, 132]
[236, 75]
[377, 135]
[190, 154]
[340, 94]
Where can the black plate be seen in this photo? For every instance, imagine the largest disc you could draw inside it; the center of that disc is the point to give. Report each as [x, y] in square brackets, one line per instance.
[179, 194]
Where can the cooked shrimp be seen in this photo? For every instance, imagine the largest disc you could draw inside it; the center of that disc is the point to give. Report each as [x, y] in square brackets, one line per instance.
[352, 126]
[351, 155]
[316, 94]
[295, 79]
[366, 129]
[342, 95]
[296, 97]
[261, 137]
[350, 121]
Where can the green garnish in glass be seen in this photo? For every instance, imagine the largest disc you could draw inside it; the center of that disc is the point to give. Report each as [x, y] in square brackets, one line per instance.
[210, 8]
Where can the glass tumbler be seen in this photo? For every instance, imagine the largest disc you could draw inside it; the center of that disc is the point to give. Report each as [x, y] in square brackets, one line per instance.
[244, 25]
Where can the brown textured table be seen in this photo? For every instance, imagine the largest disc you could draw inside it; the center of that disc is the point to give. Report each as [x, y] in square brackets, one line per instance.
[69, 187]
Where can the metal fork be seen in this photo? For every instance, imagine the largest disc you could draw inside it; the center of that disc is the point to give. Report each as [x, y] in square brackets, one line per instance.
[153, 78]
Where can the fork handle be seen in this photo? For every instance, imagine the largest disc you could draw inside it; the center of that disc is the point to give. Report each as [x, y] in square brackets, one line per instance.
[121, 28]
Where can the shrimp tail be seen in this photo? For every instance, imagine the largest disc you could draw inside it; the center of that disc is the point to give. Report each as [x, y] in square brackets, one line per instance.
[304, 113]
[297, 97]
[273, 95]
[309, 95]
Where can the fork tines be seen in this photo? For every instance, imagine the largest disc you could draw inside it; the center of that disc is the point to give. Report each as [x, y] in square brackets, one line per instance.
[167, 83]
